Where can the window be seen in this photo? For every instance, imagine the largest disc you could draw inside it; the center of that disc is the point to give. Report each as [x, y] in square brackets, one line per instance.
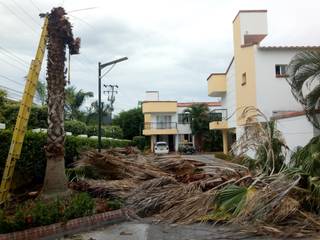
[184, 118]
[244, 79]
[281, 70]
[215, 116]
[163, 122]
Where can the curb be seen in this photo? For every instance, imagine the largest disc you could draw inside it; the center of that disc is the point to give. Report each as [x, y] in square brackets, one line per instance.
[61, 229]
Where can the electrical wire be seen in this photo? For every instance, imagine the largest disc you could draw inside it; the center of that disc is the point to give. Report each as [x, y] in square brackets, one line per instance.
[17, 16]
[12, 65]
[26, 13]
[35, 5]
[11, 80]
[14, 56]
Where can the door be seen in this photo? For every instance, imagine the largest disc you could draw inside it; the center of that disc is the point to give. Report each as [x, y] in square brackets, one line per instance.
[171, 143]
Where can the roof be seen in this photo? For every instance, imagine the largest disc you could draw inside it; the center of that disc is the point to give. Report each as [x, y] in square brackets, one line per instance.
[288, 47]
[248, 11]
[156, 101]
[287, 114]
[189, 104]
[219, 73]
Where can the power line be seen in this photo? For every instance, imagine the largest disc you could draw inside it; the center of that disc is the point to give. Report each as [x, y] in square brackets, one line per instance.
[15, 66]
[35, 5]
[24, 22]
[26, 13]
[14, 56]
[11, 80]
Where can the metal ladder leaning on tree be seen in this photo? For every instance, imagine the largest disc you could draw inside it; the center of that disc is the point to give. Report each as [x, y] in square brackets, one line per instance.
[24, 113]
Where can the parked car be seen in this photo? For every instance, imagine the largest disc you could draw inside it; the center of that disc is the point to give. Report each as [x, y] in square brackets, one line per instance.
[161, 148]
[186, 148]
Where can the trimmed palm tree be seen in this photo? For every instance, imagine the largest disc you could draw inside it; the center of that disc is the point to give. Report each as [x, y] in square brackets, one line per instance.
[59, 35]
[74, 101]
[199, 115]
[304, 79]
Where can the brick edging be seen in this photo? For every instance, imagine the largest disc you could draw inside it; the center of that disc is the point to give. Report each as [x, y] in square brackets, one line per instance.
[72, 226]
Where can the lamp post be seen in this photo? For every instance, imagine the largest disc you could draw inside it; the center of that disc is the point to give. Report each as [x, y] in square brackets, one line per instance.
[100, 67]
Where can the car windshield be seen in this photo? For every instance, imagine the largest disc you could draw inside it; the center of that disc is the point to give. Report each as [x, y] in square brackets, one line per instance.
[161, 144]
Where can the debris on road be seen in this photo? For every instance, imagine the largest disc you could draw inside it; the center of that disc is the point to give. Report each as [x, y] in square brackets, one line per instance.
[175, 189]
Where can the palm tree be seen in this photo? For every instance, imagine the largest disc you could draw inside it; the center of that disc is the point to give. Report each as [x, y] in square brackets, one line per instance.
[304, 79]
[42, 92]
[59, 35]
[74, 100]
[199, 115]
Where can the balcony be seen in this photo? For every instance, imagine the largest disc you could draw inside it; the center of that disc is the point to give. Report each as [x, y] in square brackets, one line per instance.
[160, 128]
[218, 119]
[159, 107]
[217, 85]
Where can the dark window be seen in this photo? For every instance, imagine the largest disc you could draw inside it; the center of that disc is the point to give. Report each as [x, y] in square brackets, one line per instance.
[215, 116]
[281, 70]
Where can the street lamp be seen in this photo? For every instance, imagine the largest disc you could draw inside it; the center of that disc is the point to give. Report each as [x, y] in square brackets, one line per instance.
[100, 67]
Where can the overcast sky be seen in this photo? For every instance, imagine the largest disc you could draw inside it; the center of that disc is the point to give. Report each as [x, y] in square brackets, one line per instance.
[172, 45]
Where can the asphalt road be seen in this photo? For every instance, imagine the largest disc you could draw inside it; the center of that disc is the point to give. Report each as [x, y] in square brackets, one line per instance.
[149, 231]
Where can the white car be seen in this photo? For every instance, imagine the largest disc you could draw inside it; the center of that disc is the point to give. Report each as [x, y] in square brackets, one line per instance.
[161, 148]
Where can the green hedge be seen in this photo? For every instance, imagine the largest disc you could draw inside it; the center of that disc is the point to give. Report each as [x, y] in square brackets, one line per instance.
[31, 165]
[38, 116]
[75, 126]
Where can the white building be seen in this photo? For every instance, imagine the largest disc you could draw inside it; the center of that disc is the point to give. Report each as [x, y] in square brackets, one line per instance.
[167, 121]
[256, 77]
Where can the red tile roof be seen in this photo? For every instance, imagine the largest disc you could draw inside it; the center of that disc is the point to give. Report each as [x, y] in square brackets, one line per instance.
[209, 104]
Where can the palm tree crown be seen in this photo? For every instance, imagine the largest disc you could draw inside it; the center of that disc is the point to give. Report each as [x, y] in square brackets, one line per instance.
[304, 79]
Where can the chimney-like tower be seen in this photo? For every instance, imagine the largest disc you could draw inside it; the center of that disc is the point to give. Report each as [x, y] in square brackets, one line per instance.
[250, 27]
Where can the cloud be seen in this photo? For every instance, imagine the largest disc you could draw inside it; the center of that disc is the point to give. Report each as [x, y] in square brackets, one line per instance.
[172, 46]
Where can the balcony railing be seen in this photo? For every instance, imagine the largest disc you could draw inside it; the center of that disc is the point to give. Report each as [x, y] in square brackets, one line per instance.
[218, 115]
[160, 125]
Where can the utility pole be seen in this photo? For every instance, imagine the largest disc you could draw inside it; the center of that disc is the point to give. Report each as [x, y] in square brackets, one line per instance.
[111, 96]
[100, 67]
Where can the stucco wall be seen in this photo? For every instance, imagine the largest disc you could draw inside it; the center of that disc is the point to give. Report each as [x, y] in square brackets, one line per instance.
[273, 94]
[297, 131]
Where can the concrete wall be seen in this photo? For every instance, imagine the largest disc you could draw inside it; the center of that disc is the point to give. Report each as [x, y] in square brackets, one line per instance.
[273, 93]
[230, 99]
[297, 131]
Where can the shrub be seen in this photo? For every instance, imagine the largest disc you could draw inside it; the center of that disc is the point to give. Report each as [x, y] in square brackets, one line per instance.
[32, 161]
[76, 127]
[92, 130]
[113, 132]
[39, 213]
[38, 116]
[140, 142]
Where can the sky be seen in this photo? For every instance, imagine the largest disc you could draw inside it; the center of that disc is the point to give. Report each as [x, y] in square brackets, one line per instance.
[172, 45]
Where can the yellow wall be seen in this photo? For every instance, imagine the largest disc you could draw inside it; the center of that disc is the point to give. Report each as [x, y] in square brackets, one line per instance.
[217, 85]
[218, 125]
[159, 106]
[149, 132]
[147, 118]
[244, 63]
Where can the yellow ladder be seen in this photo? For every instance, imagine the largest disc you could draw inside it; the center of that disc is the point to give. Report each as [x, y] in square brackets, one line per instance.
[23, 115]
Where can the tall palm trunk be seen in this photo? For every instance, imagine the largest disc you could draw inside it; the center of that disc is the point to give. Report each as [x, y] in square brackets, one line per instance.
[59, 35]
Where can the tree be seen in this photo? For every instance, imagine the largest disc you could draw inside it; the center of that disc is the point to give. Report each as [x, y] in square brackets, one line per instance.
[42, 92]
[59, 35]
[74, 101]
[3, 95]
[130, 121]
[304, 79]
[93, 113]
[199, 114]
